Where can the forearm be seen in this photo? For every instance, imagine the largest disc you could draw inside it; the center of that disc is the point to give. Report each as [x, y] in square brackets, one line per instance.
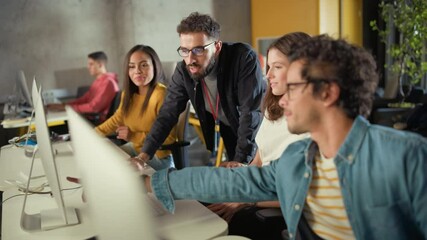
[248, 126]
[110, 125]
[257, 160]
[213, 185]
[268, 204]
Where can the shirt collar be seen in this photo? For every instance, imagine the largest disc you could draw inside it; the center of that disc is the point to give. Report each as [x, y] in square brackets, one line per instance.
[350, 147]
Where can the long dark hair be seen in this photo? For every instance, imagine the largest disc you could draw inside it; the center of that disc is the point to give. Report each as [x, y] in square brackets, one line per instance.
[283, 44]
[130, 88]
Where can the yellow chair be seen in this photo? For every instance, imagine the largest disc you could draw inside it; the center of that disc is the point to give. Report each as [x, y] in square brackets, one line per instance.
[193, 120]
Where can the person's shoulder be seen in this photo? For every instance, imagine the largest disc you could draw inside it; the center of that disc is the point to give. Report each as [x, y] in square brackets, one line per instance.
[395, 136]
[235, 52]
[109, 77]
[180, 70]
[237, 46]
[160, 89]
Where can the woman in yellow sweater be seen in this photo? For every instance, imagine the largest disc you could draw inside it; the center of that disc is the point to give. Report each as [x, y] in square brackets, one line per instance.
[141, 100]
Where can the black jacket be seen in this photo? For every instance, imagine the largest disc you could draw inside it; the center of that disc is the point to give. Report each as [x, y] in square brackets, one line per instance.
[240, 87]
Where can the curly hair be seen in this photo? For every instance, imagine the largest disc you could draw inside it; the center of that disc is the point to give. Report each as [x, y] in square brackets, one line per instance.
[352, 68]
[197, 22]
[283, 44]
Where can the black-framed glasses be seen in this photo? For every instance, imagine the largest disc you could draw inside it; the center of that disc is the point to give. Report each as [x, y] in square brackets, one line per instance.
[198, 51]
[290, 87]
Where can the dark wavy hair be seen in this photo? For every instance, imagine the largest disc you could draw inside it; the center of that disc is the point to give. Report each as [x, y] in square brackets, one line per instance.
[197, 22]
[130, 88]
[283, 44]
[352, 68]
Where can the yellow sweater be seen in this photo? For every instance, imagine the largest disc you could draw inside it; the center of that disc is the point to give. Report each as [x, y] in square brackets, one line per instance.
[139, 125]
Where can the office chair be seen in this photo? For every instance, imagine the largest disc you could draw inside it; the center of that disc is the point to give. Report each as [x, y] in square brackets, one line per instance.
[96, 118]
[179, 147]
[82, 90]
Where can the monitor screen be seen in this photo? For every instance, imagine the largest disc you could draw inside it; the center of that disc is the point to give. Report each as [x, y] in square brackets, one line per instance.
[23, 91]
[47, 218]
[117, 201]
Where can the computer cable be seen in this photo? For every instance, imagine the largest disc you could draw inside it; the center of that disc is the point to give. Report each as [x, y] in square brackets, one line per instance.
[17, 195]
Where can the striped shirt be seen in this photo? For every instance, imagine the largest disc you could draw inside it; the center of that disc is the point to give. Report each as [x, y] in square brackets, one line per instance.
[324, 208]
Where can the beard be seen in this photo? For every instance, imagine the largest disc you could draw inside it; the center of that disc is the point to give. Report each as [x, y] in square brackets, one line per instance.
[300, 124]
[205, 72]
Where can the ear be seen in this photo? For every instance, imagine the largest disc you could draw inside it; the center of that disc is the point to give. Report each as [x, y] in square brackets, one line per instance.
[218, 47]
[331, 94]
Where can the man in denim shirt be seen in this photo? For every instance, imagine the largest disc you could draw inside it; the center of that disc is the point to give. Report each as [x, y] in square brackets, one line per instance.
[379, 191]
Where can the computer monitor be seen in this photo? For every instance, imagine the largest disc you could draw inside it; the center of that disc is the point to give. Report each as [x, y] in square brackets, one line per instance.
[35, 92]
[117, 201]
[60, 216]
[23, 91]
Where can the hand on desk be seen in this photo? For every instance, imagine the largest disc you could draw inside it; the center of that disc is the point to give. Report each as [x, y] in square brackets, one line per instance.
[140, 162]
[227, 210]
[56, 107]
[77, 180]
[231, 164]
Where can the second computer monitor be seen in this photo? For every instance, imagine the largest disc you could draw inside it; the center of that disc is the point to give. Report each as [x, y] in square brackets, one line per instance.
[23, 91]
[115, 192]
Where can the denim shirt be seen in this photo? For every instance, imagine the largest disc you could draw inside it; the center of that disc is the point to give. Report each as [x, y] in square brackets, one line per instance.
[382, 174]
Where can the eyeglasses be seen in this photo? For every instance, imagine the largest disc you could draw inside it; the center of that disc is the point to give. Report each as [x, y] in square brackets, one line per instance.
[198, 51]
[290, 87]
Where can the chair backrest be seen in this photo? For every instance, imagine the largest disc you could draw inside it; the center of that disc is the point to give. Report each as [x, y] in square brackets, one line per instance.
[114, 104]
[179, 147]
[168, 69]
[180, 151]
[97, 118]
[182, 125]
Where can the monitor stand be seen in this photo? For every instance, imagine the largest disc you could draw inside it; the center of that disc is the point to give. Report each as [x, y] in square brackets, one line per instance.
[49, 218]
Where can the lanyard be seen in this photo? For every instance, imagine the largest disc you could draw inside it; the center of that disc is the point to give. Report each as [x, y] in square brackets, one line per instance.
[215, 113]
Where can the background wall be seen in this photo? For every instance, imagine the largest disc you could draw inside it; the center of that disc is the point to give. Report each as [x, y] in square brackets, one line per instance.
[338, 18]
[273, 18]
[51, 39]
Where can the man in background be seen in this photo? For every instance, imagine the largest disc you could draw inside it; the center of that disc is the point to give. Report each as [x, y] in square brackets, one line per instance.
[100, 94]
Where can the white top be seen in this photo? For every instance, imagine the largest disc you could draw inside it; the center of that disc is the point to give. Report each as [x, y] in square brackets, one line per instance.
[273, 138]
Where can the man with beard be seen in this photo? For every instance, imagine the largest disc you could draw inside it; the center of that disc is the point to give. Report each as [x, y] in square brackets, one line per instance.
[223, 81]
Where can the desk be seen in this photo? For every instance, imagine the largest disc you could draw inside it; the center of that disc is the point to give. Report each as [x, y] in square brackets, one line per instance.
[53, 119]
[190, 221]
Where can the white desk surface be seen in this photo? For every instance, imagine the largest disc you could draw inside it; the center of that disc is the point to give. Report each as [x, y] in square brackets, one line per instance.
[191, 219]
[51, 116]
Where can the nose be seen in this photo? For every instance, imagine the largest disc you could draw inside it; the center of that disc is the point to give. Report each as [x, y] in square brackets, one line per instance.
[139, 69]
[191, 57]
[269, 74]
[283, 102]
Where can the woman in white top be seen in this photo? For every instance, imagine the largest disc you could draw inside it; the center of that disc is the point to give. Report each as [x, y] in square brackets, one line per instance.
[272, 139]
